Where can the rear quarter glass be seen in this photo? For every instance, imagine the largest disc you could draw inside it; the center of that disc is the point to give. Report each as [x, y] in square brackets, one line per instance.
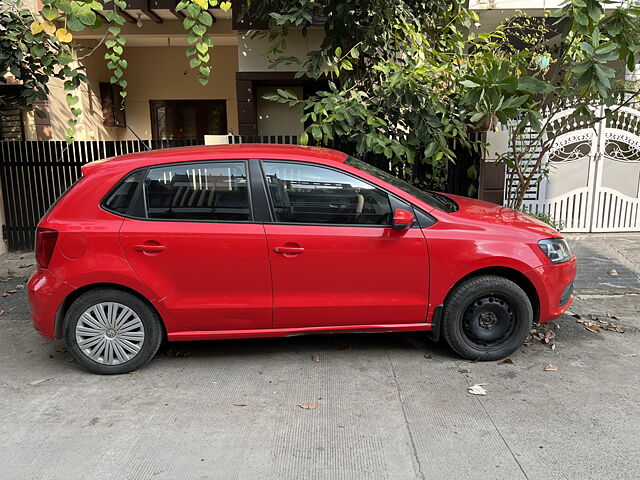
[119, 199]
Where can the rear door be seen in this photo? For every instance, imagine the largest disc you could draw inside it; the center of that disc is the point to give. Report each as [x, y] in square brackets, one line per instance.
[335, 259]
[198, 248]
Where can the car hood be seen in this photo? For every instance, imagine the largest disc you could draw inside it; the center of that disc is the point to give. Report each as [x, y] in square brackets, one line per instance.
[486, 212]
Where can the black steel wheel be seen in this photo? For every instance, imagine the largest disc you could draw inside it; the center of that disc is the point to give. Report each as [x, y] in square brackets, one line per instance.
[487, 318]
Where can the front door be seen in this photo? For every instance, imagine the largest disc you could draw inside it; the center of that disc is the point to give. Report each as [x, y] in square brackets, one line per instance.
[334, 258]
[198, 249]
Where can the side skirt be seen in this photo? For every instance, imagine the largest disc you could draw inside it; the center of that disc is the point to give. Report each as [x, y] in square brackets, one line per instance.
[288, 332]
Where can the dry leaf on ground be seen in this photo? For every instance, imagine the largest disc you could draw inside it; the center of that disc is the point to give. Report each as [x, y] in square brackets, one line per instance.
[611, 315]
[542, 333]
[1, 312]
[550, 368]
[9, 292]
[315, 358]
[506, 361]
[38, 382]
[308, 405]
[602, 324]
[612, 327]
[428, 355]
[477, 390]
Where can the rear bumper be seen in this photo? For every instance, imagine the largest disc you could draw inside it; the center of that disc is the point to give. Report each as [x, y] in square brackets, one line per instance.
[46, 293]
[554, 284]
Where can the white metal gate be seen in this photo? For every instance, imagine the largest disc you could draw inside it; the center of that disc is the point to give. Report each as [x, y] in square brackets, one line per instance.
[594, 175]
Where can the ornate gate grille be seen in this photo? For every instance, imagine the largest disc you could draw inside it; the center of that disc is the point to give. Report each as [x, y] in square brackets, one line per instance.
[594, 175]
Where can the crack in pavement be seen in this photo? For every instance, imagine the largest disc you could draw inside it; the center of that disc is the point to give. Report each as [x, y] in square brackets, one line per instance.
[406, 421]
[504, 440]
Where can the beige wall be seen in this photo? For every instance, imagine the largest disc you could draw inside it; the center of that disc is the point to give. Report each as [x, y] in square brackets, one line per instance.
[278, 118]
[90, 126]
[153, 73]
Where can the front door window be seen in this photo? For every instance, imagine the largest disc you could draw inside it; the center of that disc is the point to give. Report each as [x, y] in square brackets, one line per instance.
[302, 193]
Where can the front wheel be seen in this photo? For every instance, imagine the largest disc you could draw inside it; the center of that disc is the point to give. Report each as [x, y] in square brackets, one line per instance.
[487, 318]
[109, 331]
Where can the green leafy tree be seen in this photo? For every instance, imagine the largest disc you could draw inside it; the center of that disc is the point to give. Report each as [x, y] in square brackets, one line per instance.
[407, 79]
[391, 68]
[569, 82]
[36, 47]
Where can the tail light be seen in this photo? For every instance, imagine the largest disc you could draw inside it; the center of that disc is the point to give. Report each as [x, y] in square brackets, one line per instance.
[46, 239]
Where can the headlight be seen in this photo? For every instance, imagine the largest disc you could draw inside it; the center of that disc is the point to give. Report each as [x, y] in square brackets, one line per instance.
[556, 249]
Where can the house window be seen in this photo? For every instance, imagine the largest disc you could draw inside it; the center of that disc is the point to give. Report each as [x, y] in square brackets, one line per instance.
[11, 124]
[187, 119]
[11, 115]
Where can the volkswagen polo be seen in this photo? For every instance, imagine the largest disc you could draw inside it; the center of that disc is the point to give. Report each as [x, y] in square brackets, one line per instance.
[245, 241]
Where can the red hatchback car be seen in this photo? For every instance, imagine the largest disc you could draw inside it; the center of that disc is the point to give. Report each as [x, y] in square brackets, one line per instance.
[269, 240]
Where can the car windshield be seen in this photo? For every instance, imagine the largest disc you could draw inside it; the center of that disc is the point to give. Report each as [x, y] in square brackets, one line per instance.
[436, 200]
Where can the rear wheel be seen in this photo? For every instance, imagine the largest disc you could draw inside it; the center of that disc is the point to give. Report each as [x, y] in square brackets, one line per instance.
[487, 318]
[109, 331]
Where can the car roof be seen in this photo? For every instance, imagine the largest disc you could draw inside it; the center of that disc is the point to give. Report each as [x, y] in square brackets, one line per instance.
[132, 161]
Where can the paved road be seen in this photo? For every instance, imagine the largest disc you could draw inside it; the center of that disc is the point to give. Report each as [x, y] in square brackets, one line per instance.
[598, 255]
[228, 409]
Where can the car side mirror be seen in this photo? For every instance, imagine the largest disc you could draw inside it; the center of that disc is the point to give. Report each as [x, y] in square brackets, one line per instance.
[402, 219]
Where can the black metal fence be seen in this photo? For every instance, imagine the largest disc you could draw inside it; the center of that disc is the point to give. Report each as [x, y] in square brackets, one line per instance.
[34, 174]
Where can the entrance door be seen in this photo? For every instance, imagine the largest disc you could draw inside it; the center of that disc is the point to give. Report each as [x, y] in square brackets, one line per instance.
[334, 258]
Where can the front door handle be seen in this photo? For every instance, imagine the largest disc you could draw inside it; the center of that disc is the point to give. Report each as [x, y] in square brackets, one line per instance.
[149, 248]
[289, 250]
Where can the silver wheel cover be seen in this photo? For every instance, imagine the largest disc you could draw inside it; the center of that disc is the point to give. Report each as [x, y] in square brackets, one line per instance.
[110, 333]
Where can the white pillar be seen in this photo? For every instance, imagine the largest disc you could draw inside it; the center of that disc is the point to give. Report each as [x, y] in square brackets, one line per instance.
[216, 139]
[632, 75]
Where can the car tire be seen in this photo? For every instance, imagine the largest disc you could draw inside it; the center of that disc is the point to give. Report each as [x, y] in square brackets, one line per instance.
[487, 318]
[124, 326]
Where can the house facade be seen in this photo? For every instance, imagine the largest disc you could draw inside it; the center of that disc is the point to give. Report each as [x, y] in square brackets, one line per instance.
[164, 99]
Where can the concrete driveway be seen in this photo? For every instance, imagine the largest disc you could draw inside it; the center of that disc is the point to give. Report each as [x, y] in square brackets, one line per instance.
[389, 405]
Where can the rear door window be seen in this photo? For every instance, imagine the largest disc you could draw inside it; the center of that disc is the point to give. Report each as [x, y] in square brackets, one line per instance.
[207, 191]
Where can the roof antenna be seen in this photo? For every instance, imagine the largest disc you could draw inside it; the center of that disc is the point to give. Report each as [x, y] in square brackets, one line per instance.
[145, 145]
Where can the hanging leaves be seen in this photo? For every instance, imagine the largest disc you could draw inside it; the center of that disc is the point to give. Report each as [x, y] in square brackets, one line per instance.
[197, 22]
[115, 46]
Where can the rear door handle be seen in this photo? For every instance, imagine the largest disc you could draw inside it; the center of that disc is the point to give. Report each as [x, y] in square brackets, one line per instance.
[149, 248]
[289, 250]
